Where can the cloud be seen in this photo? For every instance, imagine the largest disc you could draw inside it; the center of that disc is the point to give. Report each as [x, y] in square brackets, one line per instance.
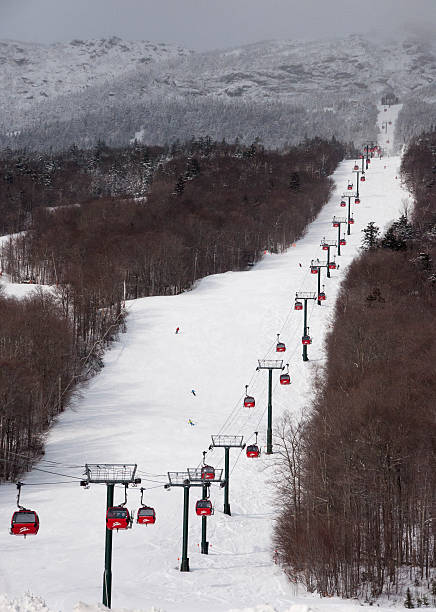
[206, 24]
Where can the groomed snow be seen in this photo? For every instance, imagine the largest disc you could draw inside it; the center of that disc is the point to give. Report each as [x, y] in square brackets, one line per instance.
[137, 410]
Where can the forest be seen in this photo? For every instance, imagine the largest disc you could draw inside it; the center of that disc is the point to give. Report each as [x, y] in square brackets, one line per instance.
[357, 476]
[105, 225]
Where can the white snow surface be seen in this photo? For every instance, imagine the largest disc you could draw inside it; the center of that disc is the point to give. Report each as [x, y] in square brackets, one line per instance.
[16, 290]
[386, 124]
[136, 411]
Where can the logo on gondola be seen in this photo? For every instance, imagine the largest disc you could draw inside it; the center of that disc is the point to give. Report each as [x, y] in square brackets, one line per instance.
[23, 529]
[115, 524]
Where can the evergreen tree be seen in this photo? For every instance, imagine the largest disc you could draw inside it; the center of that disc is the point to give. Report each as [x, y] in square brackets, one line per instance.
[398, 234]
[371, 235]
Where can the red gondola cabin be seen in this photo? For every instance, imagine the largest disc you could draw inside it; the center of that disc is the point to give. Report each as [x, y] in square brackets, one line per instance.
[332, 265]
[342, 242]
[363, 179]
[350, 186]
[357, 201]
[343, 203]
[207, 472]
[249, 401]
[285, 379]
[24, 522]
[252, 451]
[356, 167]
[351, 220]
[313, 270]
[306, 340]
[204, 507]
[117, 517]
[325, 247]
[321, 296]
[280, 347]
[298, 305]
[335, 224]
[146, 516]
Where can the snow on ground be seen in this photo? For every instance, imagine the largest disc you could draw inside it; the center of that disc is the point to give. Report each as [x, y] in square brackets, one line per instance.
[17, 290]
[386, 124]
[137, 410]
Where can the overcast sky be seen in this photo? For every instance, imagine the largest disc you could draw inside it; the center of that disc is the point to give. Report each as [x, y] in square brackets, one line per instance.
[210, 24]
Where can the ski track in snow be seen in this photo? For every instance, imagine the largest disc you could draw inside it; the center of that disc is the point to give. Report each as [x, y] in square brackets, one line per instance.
[137, 409]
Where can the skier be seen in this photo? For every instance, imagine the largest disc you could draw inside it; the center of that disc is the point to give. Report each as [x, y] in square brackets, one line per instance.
[177, 330]
[193, 392]
[191, 422]
[300, 265]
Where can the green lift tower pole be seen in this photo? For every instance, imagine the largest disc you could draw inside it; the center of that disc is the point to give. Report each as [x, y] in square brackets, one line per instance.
[204, 542]
[107, 576]
[337, 222]
[270, 365]
[327, 245]
[319, 285]
[191, 478]
[184, 567]
[305, 295]
[227, 480]
[269, 428]
[227, 442]
[109, 474]
[305, 357]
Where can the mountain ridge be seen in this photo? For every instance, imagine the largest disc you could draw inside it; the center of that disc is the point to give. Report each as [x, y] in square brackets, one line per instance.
[112, 79]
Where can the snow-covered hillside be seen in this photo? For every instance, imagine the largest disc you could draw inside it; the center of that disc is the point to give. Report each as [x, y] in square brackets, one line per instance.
[137, 410]
[111, 89]
[32, 73]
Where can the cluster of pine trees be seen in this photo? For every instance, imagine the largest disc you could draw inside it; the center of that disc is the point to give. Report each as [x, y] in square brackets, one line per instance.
[208, 208]
[358, 479]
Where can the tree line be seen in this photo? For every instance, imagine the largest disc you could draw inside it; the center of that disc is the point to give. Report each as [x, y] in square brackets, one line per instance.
[357, 477]
[209, 207]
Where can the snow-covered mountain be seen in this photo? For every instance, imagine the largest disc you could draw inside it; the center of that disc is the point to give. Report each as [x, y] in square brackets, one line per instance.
[111, 86]
[31, 73]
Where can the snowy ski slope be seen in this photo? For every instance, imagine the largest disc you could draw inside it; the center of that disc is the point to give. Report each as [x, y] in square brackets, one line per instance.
[137, 410]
